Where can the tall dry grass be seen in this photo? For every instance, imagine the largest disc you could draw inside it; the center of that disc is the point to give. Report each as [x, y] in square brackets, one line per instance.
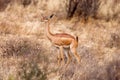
[26, 53]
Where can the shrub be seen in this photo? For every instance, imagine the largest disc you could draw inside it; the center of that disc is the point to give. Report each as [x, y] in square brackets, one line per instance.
[30, 71]
[83, 8]
[3, 4]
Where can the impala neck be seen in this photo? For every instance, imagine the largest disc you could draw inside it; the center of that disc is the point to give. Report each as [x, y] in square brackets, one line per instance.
[48, 32]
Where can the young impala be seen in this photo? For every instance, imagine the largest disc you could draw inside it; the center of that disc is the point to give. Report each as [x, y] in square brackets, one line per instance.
[63, 41]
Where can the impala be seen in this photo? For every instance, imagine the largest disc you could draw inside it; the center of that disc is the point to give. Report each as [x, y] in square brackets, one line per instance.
[63, 41]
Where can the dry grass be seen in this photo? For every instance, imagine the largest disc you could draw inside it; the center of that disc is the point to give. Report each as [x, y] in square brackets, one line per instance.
[26, 53]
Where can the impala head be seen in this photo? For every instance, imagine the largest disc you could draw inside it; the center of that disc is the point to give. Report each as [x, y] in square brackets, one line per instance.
[47, 18]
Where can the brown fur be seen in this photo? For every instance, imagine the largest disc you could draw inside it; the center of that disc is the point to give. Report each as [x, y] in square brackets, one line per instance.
[61, 40]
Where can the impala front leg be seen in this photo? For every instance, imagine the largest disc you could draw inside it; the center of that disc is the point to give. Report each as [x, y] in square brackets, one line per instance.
[58, 57]
[69, 57]
[62, 55]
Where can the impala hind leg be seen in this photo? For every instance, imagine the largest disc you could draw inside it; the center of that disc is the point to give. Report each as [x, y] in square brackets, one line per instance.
[74, 51]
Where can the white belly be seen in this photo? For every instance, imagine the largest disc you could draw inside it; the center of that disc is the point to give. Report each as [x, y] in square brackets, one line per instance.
[64, 46]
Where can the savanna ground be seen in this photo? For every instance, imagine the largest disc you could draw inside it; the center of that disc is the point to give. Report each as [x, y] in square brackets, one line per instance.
[27, 54]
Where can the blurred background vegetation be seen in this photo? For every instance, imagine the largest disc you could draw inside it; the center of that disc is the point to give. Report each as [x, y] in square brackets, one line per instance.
[26, 53]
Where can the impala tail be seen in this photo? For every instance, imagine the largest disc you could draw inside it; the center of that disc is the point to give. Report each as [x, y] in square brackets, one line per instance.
[77, 38]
